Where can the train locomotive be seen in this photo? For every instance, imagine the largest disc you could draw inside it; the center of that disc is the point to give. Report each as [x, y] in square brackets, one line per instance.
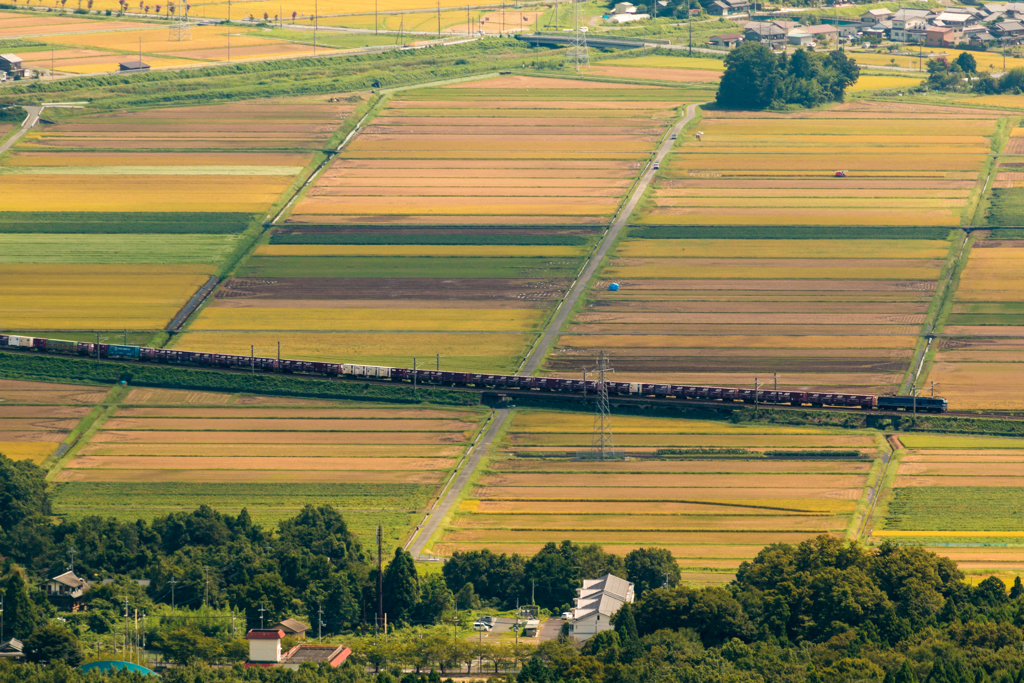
[468, 379]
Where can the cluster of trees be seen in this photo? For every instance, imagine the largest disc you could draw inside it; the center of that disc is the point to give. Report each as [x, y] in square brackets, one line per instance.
[550, 578]
[962, 74]
[756, 78]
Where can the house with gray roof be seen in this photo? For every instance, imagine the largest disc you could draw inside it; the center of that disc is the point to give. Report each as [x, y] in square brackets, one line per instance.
[599, 600]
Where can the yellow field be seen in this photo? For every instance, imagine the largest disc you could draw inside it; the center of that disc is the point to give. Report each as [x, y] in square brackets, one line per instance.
[468, 250]
[816, 249]
[95, 297]
[140, 193]
[871, 82]
[367, 319]
[33, 451]
[666, 62]
[986, 61]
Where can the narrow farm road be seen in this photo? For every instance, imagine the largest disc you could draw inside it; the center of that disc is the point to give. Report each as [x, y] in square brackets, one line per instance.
[556, 324]
[30, 121]
[444, 505]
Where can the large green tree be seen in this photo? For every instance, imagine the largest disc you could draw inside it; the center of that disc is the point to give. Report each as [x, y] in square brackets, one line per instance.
[53, 643]
[21, 617]
[649, 568]
[751, 79]
[401, 587]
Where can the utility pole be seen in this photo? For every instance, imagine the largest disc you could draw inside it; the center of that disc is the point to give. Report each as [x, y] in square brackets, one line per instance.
[172, 582]
[533, 591]
[376, 25]
[776, 381]
[455, 621]
[2, 618]
[319, 622]
[380, 575]
[71, 552]
[252, 359]
[439, 357]
[933, 396]
[261, 610]
[756, 387]
[316, 22]
[438, 18]
[229, 31]
[206, 595]
[689, 21]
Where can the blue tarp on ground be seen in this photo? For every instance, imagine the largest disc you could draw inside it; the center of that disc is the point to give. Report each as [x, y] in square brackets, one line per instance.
[114, 665]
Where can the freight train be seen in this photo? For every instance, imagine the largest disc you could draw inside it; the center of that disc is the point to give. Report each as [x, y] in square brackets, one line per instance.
[469, 379]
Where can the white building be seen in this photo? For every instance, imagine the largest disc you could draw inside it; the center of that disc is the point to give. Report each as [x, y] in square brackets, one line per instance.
[598, 600]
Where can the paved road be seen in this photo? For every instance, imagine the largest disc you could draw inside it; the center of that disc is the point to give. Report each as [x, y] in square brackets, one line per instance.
[554, 327]
[30, 121]
[441, 509]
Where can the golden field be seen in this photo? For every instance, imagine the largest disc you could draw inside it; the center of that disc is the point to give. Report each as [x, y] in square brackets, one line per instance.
[96, 297]
[367, 319]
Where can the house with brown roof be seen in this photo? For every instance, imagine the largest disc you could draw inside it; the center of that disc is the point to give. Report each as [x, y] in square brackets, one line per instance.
[939, 36]
[291, 627]
[66, 591]
[726, 41]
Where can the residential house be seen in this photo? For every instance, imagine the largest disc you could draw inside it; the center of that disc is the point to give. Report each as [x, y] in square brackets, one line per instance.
[1010, 32]
[881, 29]
[66, 591]
[291, 627]
[11, 65]
[905, 18]
[598, 600]
[727, 8]
[873, 16]
[265, 651]
[12, 650]
[624, 8]
[626, 18]
[939, 36]
[726, 41]
[821, 31]
[979, 38]
[766, 32]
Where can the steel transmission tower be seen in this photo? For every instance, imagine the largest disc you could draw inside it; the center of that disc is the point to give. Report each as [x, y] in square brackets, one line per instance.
[181, 29]
[602, 447]
[577, 55]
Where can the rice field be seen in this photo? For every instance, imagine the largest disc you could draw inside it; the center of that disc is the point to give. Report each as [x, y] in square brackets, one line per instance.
[711, 511]
[375, 462]
[36, 418]
[448, 227]
[961, 497]
[82, 45]
[526, 132]
[979, 363]
[841, 315]
[779, 169]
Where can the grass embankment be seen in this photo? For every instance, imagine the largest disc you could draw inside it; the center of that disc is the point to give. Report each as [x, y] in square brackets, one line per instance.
[302, 77]
[82, 371]
[904, 422]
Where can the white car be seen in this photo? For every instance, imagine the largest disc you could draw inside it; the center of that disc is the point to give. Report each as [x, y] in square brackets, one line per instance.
[567, 616]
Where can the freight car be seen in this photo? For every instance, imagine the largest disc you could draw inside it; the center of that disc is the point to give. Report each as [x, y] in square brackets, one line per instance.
[469, 379]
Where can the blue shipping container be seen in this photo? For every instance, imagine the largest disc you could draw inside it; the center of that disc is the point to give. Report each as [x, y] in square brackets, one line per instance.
[120, 351]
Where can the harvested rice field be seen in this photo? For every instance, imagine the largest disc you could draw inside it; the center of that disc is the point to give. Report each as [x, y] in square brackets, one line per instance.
[376, 463]
[236, 157]
[979, 362]
[960, 496]
[779, 169]
[419, 160]
[711, 509]
[835, 314]
[37, 418]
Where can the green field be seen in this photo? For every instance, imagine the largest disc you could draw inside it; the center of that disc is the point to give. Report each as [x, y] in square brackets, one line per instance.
[364, 506]
[122, 223]
[1006, 207]
[961, 508]
[154, 248]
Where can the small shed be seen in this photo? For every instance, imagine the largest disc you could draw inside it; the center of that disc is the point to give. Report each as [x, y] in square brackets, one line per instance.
[11, 64]
[800, 39]
[133, 66]
[292, 627]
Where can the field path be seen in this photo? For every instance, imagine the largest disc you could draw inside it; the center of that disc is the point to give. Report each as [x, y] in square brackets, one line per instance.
[444, 505]
[554, 327]
[30, 121]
